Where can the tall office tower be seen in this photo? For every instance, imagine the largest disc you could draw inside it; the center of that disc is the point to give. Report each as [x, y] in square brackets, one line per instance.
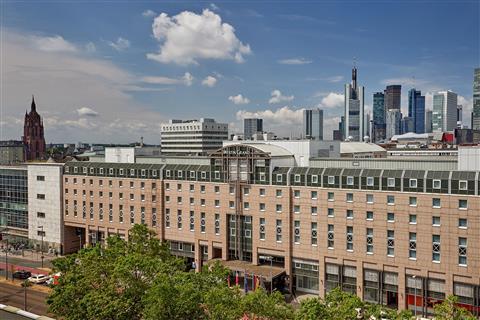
[354, 109]
[416, 110]
[459, 115]
[252, 126]
[393, 119]
[476, 100]
[407, 125]
[444, 117]
[313, 124]
[428, 121]
[393, 96]
[378, 116]
[366, 122]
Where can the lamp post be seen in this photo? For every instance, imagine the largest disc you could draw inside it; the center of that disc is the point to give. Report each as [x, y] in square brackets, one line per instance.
[41, 247]
[25, 285]
[4, 234]
[415, 295]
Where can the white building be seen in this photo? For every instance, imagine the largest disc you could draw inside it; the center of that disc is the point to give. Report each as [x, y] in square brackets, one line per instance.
[444, 116]
[393, 119]
[45, 213]
[469, 158]
[193, 137]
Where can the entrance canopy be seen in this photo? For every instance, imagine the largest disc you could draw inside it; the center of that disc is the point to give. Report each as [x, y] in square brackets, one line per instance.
[265, 271]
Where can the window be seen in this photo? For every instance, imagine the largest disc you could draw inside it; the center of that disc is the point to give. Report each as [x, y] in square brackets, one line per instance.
[100, 212]
[390, 200]
[217, 203]
[436, 202]
[278, 193]
[217, 175]
[349, 214]
[40, 196]
[462, 223]
[297, 178]
[132, 172]
[331, 196]
[390, 217]
[349, 238]
[202, 189]
[179, 187]
[331, 180]
[462, 251]
[262, 229]
[132, 185]
[279, 230]
[369, 198]
[192, 175]
[314, 234]
[412, 247]
[462, 204]
[330, 236]
[370, 181]
[246, 205]
[279, 178]
[40, 233]
[40, 214]
[296, 193]
[330, 212]
[349, 181]
[231, 204]
[120, 214]
[314, 211]
[203, 175]
[370, 240]
[391, 182]
[463, 185]
[436, 184]
[261, 192]
[202, 202]
[40, 178]
[167, 218]
[180, 173]
[369, 215]
[278, 208]
[262, 176]
[436, 221]
[315, 179]
[179, 219]
[192, 221]
[296, 231]
[132, 197]
[412, 201]
[192, 188]
[217, 223]
[390, 243]
[436, 248]
[296, 209]
[216, 189]
[349, 197]
[142, 197]
[412, 219]
[154, 217]
[314, 195]
[167, 173]
[110, 212]
[413, 183]
[202, 222]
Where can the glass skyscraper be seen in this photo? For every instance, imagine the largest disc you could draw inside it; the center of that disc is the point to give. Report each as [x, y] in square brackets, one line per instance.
[393, 94]
[444, 117]
[354, 110]
[379, 126]
[416, 110]
[313, 124]
[252, 126]
[476, 100]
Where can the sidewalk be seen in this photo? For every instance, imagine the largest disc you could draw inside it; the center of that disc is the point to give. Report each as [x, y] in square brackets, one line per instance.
[30, 255]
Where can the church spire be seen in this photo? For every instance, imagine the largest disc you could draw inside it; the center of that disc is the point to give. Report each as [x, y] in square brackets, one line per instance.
[33, 107]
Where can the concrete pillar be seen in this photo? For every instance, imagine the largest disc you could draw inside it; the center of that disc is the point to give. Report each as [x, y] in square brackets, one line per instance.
[359, 279]
[402, 299]
[321, 277]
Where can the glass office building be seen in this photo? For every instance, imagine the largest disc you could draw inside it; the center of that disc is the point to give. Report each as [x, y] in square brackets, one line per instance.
[14, 201]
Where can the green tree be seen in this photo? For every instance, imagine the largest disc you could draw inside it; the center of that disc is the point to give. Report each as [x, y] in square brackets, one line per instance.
[260, 305]
[312, 309]
[449, 310]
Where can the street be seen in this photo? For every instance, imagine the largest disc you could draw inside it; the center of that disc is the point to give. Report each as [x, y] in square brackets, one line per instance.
[14, 296]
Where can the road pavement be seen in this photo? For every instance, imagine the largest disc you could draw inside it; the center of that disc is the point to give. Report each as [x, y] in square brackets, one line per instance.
[14, 296]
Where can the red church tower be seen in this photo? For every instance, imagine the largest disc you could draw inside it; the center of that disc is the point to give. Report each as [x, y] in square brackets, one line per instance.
[33, 138]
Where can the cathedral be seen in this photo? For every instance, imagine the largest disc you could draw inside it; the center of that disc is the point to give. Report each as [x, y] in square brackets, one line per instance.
[33, 137]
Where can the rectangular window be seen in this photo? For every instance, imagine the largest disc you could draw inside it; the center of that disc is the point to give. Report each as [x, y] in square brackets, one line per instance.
[297, 178]
[314, 195]
[203, 175]
[390, 243]
[412, 247]
[315, 179]
[154, 217]
[179, 187]
[462, 223]
[330, 212]
[436, 221]
[462, 204]
[278, 208]
[192, 188]
[413, 183]
[231, 204]
[436, 202]
[349, 238]
[261, 192]
[314, 234]
[40, 178]
[217, 203]
[40, 196]
[279, 178]
[203, 223]
[349, 214]
[216, 189]
[279, 230]
[278, 193]
[132, 184]
[314, 211]
[390, 217]
[330, 236]
[167, 218]
[246, 205]
[192, 221]
[180, 173]
[463, 185]
[296, 193]
[202, 202]
[369, 215]
[262, 176]
[331, 196]
[262, 229]
[40, 214]
[370, 181]
[436, 184]
[412, 219]
[369, 198]
[296, 209]
[40, 233]
[331, 180]
[436, 248]
[217, 175]
[179, 219]
[192, 174]
[350, 181]
[296, 231]
[462, 251]
[120, 213]
[179, 200]
[132, 215]
[217, 223]
[412, 201]
[390, 200]
[391, 182]
[349, 197]
[369, 240]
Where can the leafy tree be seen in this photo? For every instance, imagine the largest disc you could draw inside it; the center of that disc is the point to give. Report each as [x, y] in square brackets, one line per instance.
[260, 305]
[312, 309]
[450, 310]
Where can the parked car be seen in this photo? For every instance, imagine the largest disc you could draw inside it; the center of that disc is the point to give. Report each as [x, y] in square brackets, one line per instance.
[38, 278]
[22, 274]
[53, 281]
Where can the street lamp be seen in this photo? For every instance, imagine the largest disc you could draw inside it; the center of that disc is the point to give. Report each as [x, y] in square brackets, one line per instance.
[41, 247]
[4, 234]
[415, 295]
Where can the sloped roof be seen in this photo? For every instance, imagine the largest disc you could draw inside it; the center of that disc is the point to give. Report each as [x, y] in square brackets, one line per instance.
[359, 147]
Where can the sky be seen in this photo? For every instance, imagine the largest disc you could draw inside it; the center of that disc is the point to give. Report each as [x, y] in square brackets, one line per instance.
[113, 71]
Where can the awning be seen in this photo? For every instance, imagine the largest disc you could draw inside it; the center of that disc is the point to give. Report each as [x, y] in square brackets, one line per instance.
[242, 267]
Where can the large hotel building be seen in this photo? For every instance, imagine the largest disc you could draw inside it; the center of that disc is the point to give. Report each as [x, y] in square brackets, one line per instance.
[393, 233]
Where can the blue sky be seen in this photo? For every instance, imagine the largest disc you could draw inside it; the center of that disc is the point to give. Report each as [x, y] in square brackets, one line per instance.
[102, 72]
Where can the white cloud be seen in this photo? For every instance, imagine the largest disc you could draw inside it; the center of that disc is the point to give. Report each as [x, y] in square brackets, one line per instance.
[239, 99]
[85, 111]
[148, 13]
[214, 7]
[284, 115]
[278, 97]
[188, 37]
[334, 79]
[53, 44]
[332, 100]
[186, 79]
[295, 61]
[120, 45]
[467, 108]
[90, 47]
[209, 81]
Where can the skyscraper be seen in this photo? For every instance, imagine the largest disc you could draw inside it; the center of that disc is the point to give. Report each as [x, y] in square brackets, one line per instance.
[407, 125]
[459, 115]
[252, 126]
[393, 120]
[33, 137]
[393, 95]
[428, 121]
[444, 116]
[476, 100]
[313, 124]
[354, 109]
[378, 116]
[416, 110]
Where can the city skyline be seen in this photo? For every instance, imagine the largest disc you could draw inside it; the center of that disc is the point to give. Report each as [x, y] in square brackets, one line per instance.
[102, 79]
